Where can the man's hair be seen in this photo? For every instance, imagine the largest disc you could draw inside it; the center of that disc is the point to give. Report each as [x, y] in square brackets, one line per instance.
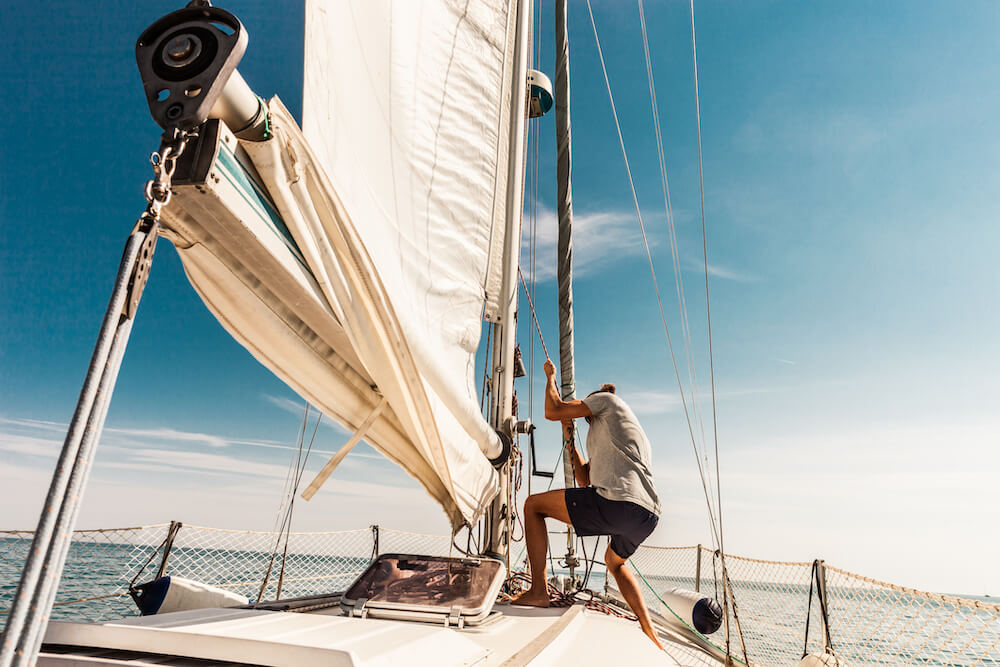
[609, 388]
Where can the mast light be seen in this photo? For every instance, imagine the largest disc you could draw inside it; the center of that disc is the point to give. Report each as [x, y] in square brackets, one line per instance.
[539, 94]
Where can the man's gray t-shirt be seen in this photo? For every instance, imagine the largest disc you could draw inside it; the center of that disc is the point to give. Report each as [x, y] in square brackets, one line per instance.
[620, 456]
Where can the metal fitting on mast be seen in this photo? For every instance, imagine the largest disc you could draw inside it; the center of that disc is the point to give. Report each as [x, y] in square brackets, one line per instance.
[187, 61]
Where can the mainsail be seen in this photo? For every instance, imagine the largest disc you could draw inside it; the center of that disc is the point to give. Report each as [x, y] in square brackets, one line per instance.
[394, 195]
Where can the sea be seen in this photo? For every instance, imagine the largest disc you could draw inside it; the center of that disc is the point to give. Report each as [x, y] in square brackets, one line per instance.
[888, 630]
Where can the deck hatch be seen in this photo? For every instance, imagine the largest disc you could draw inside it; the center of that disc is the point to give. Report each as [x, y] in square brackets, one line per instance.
[450, 591]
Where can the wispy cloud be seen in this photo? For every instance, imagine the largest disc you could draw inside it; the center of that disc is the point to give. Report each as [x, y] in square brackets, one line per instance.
[787, 361]
[599, 240]
[298, 407]
[286, 404]
[697, 266]
[652, 402]
[657, 402]
[160, 448]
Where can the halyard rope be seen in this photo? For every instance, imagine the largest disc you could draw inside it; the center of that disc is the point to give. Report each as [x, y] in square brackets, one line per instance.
[534, 317]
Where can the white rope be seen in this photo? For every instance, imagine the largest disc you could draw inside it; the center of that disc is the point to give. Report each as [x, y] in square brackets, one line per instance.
[652, 272]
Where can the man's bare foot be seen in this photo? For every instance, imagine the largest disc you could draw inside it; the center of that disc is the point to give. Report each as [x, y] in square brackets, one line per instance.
[532, 598]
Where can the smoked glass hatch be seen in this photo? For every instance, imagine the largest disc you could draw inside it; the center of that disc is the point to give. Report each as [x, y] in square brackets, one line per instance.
[433, 581]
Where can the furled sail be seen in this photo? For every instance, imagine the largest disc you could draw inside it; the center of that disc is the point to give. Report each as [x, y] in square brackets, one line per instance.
[406, 104]
[372, 278]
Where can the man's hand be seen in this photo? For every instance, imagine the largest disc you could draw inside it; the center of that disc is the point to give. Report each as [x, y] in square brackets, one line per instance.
[557, 409]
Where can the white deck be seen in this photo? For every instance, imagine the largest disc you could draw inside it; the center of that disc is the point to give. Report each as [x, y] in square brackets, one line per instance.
[522, 636]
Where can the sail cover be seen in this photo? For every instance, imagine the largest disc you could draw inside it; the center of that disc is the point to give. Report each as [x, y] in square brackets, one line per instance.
[365, 271]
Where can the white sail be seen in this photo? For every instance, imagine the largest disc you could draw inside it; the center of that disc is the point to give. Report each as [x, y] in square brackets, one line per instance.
[406, 105]
[394, 199]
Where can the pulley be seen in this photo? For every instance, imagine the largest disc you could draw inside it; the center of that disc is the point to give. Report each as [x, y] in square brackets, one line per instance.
[187, 61]
[539, 94]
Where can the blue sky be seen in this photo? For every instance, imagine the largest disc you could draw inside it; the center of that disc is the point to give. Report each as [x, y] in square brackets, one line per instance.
[850, 155]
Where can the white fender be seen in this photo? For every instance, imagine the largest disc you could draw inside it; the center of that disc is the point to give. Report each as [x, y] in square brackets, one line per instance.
[699, 611]
[820, 660]
[168, 594]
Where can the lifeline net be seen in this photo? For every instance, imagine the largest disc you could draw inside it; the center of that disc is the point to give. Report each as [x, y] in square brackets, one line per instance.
[871, 622]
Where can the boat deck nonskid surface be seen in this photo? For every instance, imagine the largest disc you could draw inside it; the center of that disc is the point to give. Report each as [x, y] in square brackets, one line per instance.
[521, 636]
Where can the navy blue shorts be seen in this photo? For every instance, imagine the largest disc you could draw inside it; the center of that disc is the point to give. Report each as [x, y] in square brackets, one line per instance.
[628, 524]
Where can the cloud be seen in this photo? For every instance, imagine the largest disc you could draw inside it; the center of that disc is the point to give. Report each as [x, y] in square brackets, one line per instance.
[652, 402]
[656, 402]
[173, 435]
[697, 267]
[599, 240]
[133, 447]
[298, 407]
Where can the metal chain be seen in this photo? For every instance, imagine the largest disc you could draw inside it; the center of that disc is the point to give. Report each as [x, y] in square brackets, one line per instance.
[158, 192]
[164, 163]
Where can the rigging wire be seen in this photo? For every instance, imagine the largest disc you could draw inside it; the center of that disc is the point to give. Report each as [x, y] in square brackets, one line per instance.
[294, 479]
[291, 505]
[652, 271]
[708, 318]
[674, 250]
[704, 247]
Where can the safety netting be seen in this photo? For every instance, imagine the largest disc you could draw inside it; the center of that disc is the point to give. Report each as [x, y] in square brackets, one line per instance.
[777, 616]
[778, 612]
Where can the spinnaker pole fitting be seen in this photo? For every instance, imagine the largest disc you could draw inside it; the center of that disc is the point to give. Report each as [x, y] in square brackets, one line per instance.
[187, 61]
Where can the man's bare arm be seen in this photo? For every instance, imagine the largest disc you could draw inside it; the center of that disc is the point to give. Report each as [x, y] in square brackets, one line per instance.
[581, 470]
[557, 409]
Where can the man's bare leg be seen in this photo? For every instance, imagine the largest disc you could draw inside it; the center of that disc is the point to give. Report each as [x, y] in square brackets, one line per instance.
[630, 590]
[538, 507]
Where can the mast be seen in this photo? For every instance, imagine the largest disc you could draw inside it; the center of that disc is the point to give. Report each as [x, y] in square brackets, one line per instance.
[504, 330]
[564, 259]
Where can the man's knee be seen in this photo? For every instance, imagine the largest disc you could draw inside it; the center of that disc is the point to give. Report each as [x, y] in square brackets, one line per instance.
[531, 504]
[613, 561]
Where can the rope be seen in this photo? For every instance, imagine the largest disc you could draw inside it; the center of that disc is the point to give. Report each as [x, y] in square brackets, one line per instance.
[681, 619]
[534, 316]
[652, 272]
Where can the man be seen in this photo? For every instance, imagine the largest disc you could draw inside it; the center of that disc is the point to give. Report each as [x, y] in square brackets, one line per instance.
[616, 495]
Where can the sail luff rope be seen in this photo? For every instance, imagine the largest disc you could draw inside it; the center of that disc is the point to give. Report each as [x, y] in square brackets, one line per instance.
[652, 271]
[674, 249]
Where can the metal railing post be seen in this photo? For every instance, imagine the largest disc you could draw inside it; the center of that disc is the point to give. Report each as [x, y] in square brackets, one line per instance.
[697, 571]
[168, 544]
[821, 586]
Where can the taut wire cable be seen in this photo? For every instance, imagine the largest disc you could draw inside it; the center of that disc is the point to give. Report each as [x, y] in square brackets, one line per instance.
[649, 257]
[674, 246]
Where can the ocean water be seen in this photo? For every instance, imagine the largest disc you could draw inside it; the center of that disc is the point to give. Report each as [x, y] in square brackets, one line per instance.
[891, 628]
